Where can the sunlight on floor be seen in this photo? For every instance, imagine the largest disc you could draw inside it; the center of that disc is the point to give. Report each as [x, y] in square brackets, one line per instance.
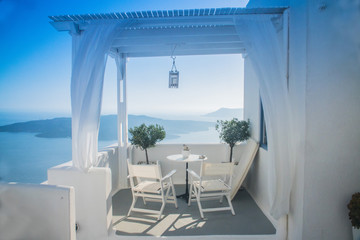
[160, 228]
[187, 222]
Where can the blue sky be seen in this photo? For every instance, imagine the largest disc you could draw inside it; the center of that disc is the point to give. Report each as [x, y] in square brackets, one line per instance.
[35, 63]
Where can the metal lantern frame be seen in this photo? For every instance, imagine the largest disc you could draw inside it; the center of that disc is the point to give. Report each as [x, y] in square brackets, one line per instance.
[173, 76]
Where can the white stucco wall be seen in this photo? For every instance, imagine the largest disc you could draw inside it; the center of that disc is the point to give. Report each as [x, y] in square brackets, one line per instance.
[93, 199]
[108, 157]
[34, 211]
[297, 88]
[332, 160]
[324, 86]
[214, 152]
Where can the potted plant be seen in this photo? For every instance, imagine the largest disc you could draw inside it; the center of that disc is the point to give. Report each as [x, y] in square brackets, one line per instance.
[354, 214]
[145, 137]
[186, 151]
[233, 131]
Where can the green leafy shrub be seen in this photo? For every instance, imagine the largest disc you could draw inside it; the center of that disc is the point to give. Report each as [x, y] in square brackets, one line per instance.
[233, 131]
[354, 210]
[145, 137]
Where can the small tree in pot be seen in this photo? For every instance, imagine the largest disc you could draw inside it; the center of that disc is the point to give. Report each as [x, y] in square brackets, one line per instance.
[233, 131]
[145, 137]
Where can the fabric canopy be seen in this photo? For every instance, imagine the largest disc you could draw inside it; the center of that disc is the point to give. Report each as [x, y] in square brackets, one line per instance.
[90, 51]
[260, 34]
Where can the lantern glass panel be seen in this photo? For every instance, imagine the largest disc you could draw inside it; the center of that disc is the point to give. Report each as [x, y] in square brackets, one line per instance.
[173, 79]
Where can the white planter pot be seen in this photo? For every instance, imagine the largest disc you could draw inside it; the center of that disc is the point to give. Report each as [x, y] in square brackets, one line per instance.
[356, 233]
[185, 154]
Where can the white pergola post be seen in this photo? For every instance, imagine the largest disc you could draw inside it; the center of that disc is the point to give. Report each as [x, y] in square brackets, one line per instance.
[122, 120]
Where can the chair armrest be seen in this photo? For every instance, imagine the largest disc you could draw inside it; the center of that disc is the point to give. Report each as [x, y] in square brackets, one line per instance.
[169, 175]
[194, 174]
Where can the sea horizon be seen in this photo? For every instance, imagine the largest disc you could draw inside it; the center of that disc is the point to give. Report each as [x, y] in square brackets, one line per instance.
[25, 158]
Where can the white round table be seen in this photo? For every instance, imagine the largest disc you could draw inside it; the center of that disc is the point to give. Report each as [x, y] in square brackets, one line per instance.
[190, 158]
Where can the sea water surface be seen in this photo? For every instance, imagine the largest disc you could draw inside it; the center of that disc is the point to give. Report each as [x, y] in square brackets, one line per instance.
[25, 158]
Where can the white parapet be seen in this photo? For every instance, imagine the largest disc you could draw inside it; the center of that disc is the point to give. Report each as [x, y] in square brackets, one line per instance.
[34, 211]
[93, 200]
[214, 153]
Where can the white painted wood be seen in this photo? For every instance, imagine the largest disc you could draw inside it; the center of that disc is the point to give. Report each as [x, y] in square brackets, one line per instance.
[141, 40]
[183, 31]
[168, 14]
[122, 120]
[147, 183]
[145, 171]
[244, 164]
[182, 47]
[204, 188]
[161, 53]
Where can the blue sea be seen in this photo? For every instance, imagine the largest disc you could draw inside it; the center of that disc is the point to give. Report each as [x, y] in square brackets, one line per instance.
[26, 158]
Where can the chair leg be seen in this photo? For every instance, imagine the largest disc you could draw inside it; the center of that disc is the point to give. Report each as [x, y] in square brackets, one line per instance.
[190, 194]
[230, 204]
[167, 194]
[132, 205]
[162, 206]
[199, 203]
[174, 193]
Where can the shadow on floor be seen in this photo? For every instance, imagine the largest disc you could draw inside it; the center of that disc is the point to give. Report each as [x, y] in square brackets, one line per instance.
[186, 221]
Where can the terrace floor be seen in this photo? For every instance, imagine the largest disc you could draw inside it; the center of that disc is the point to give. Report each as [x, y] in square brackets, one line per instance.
[186, 221]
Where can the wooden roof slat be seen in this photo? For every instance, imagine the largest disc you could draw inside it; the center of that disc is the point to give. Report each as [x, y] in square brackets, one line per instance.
[123, 16]
[169, 13]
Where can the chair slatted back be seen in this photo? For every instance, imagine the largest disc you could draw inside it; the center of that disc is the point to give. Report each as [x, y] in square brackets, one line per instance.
[145, 171]
[216, 169]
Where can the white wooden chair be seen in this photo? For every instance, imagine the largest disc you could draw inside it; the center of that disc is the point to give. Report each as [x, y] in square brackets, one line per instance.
[146, 181]
[214, 182]
[243, 166]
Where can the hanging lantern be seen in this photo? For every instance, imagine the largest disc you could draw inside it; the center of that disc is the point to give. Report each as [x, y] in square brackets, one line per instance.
[173, 75]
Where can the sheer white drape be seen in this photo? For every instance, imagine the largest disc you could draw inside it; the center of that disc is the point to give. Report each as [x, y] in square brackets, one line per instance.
[90, 50]
[263, 44]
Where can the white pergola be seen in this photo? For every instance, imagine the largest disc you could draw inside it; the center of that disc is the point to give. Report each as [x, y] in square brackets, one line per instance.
[260, 33]
[156, 33]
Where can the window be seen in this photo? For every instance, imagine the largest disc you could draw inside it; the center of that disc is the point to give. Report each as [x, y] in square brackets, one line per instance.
[263, 134]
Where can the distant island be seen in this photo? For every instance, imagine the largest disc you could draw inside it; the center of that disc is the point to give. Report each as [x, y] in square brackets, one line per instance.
[224, 113]
[61, 127]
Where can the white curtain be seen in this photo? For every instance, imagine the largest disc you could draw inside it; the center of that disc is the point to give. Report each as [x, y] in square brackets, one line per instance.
[263, 42]
[90, 50]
